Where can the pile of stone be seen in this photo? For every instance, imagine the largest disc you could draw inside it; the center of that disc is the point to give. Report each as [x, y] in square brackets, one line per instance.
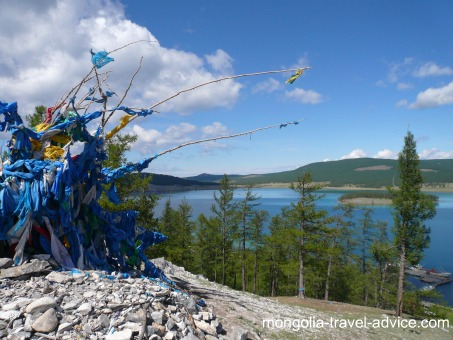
[38, 302]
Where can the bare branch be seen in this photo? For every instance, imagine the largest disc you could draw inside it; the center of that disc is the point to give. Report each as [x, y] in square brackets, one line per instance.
[132, 43]
[127, 90]
[229, 136]
[227, 78]
[221, 79]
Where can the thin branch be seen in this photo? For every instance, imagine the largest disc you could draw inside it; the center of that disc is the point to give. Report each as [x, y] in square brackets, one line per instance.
[227, 78]
[135, 42]
[127, 90]
[221, 79]
[229, 136]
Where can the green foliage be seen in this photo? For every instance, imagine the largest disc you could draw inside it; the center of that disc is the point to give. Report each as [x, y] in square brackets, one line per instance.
[360, 173]
[178, 226]
[226, 221]
[37, 117]
[132, 189]
[412, 207]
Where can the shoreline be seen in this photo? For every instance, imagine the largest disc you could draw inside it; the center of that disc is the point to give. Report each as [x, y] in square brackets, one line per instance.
[348, 188]
[366, 201]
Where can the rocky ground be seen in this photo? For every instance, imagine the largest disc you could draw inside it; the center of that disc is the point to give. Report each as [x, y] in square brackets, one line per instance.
[38, 302]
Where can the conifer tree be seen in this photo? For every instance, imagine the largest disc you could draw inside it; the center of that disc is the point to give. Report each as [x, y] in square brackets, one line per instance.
[338, 239]
[225, 214]
[208, 243]
[308, 220]
[257, 224]
[412, 209]
[245, 208]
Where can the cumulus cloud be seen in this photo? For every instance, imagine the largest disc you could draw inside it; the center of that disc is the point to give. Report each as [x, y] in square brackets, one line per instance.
[48, 53]
[435, 153]
[357, 153]
[268, 86]
[386, 154]
[151, 139]
[215, 129]
[304, 96]
[433, 97]
[431, 69]
[220, 61]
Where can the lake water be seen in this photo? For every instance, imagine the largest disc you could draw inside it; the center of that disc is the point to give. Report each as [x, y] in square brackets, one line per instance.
[438, 255]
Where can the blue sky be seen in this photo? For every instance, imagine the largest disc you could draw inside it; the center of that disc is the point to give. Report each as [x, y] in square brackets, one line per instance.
[379, 69]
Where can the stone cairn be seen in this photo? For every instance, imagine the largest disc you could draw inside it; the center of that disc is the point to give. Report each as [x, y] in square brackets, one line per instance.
[38, 302]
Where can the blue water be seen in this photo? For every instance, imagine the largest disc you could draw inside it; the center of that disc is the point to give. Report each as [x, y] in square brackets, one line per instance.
[438, 255]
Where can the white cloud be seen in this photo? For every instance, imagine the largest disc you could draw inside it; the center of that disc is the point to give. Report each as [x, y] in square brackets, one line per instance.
[402, 103]
[151, 139]
[211, 147]
[357, 153]
[44, 59]
[433, 97]
[220, 61]
[435, 153]
[430, 69]
[304, 96]
[399, 69]
[216, 129]
[386, 154]
[268, 86]
[404, 86]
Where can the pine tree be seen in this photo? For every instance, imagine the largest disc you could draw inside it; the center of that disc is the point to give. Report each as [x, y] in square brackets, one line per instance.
[225, 214]
[245, 208]
[257, 224]
[132, 190]
[308, 220]
[208, 243]
[412, 209]
[339, 241]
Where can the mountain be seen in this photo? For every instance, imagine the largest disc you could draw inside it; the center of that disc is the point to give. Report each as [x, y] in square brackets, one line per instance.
[165, 183]
[359, 172]
[210, 178]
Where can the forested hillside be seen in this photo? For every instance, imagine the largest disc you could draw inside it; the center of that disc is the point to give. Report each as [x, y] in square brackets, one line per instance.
[360, 172]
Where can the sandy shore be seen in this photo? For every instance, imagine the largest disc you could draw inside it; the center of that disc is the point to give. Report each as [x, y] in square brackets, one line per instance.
[367, 201]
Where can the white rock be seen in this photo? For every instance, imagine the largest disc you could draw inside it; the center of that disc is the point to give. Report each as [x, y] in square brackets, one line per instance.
[41, 305]
[66, 326]
[85, 308]
[58, 277]
[17, 304]
[207, 328]
[121, 335]
[10, 315]
[47, 322]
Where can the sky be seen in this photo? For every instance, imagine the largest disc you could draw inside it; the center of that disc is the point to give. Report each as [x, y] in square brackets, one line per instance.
[378, 70]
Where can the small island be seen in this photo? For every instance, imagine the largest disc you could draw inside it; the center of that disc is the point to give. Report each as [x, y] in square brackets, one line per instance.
[371, 198]
[366, 198]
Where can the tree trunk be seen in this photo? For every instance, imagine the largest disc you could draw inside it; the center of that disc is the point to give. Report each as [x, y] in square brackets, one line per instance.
[301, 293]
[223, 255]
[255, 270]
[243, 259]
[329, 268]
[381, 286]
[399, 299]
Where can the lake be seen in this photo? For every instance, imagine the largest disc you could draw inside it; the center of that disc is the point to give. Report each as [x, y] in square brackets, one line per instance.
[438, 255]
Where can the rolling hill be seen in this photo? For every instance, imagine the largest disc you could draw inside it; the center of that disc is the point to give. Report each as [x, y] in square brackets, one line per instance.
[360, 172]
